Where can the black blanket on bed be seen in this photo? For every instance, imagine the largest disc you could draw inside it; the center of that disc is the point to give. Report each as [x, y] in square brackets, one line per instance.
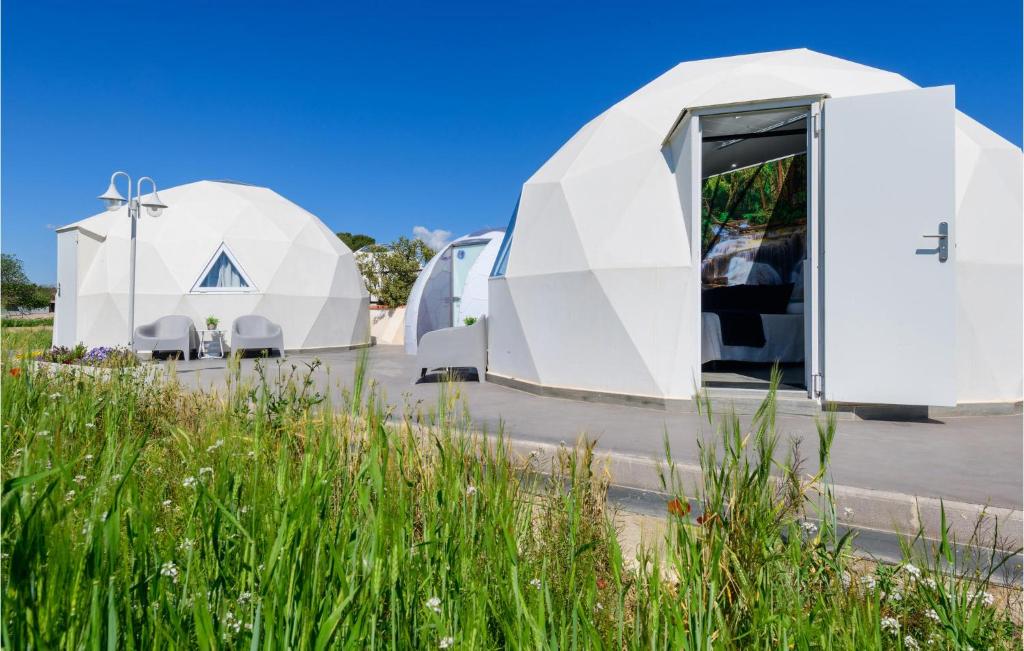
[741, 328]
[739, 309]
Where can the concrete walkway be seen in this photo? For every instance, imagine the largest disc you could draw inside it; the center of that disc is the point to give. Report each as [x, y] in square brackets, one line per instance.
[974, 460]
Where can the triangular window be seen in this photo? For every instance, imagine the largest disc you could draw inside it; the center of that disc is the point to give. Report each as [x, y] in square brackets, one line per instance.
[223, 274]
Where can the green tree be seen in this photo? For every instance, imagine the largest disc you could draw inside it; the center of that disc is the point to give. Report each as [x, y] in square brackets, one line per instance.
[355, 241]
[391, 270]
[17, 289]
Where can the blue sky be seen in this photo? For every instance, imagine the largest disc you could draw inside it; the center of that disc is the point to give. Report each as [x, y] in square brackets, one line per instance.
[381, 117]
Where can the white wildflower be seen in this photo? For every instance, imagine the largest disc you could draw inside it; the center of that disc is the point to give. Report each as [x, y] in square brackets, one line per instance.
[187, 544]
[79, 479]
[205, 471]
[43, 433]
[116, 477]
[896, 596]
[70, 495]
[845, 578]
[243, 510]
[470, 491]
[158, 530]
[890, 625]
[910, 643]
[89, 457]
[809, 527]
[251, 454]
[598, 606]
[245, 597]
[89, 425]
[446, 642]
[231, 623]
[166, 504]
[868, 581]
[912, 570]
[535, 583]
[434, 604]
[987, 598]
[189, 482]
[930, 582]
[17, 453]
[54, 396]
[216, 445]
[932, 615]
[170, 570]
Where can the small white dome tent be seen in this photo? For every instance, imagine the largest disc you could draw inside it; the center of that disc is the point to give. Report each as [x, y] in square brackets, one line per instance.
[914, 228]
[452, 286]
[219, 249]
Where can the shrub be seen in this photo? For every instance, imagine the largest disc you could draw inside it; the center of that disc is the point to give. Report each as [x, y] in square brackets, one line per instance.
[101, 356]
[390, 271]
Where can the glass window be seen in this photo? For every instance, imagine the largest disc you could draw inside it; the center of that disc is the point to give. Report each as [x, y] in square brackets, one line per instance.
[223, 274]
[501, 261]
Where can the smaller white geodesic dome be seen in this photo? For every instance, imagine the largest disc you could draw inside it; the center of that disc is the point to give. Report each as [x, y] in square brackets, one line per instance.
[430, 300]
[219, 249]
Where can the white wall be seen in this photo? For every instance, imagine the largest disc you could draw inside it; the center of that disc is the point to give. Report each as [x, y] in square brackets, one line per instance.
[988, 235]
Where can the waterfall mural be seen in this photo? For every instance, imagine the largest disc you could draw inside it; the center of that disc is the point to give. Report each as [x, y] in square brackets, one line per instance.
[754, 224]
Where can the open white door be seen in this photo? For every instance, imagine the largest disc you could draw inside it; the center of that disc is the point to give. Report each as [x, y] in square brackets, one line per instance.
[888, 283]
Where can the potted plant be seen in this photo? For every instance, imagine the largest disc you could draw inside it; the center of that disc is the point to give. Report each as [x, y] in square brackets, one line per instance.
[211, 322]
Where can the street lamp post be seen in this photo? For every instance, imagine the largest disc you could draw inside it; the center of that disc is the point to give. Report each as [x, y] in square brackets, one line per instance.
[113, 200]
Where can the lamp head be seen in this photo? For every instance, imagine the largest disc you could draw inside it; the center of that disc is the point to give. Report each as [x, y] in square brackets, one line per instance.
[154, 206]
[112, 198]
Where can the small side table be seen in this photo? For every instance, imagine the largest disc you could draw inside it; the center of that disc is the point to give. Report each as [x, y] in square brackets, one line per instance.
[211, 344]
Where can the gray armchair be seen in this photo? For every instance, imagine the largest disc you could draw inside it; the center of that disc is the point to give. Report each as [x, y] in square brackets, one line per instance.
[175, 333]
[254, 332]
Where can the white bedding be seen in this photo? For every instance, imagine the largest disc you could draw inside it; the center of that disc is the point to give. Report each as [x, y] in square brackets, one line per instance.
[783, 333]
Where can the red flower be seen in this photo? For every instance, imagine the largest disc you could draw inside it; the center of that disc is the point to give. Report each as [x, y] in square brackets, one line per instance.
[678, 507]
[705, 518]
[601, 584]
[16, 371]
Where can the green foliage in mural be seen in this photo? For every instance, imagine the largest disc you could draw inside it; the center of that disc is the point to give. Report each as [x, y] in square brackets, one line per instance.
[773, 193]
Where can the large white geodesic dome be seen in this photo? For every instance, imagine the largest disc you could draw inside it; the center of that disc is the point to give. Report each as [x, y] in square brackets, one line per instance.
[597, 287]
[219, 249]
[430, 300]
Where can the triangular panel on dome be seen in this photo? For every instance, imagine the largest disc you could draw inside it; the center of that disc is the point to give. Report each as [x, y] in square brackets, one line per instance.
[223, 274]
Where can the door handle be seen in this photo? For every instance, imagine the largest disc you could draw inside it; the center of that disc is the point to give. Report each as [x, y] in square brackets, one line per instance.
[943, 237]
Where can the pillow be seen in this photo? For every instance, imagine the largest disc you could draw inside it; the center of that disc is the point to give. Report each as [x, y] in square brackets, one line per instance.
[763, 299]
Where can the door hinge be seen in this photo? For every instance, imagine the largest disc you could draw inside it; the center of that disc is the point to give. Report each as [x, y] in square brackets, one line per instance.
[816, 123]
[816, 384]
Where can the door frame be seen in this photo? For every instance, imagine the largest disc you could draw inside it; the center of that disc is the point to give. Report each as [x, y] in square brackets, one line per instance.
[454, 300]
[813, 282]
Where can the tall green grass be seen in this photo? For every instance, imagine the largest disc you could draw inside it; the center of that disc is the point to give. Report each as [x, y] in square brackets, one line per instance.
[25, 340]
[140, 515]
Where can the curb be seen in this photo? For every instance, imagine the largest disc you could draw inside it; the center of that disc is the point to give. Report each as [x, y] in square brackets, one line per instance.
[886, 511]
